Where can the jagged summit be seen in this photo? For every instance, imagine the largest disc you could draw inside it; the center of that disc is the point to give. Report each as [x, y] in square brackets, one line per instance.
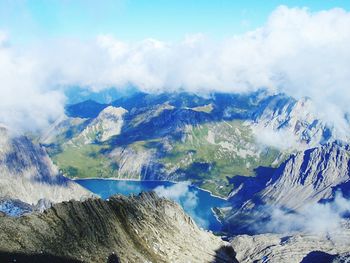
[304, 179]
[278, 248]
[311, 175]
[143, 228]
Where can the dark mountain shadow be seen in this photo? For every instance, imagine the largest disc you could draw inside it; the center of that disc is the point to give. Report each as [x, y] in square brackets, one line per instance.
[250, 185]
[34, 258]
[225, 254]
[318, 257]
[113, 258]
[344, 188]
[85, 109]
[194, 171]
[165, 124]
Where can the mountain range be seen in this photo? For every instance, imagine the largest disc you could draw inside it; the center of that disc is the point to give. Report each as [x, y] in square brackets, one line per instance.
[208, 140]
[271, 156]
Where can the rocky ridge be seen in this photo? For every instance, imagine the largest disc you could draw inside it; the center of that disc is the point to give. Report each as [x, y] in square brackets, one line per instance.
[276, 248]
[309, 176]
[107, 124]
[305, 179]
[143, 228]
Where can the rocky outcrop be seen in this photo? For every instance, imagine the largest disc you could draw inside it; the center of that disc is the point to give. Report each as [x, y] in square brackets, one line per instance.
[142, 228]
[274, 248]
[27, 173]
[295, 119]
[305, 179]
[310, 176]
[107, 124]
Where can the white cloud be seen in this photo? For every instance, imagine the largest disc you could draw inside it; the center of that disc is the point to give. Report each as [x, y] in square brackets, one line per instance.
[317, 219]
[296, 51]
[283, 139]
[25, 101]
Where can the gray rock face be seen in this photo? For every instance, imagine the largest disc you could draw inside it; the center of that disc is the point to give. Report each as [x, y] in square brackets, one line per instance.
[288, 249]
[300, 182]
[309, 177]
[107, 124]
[142, 228]
[27, 173]
[295, 121]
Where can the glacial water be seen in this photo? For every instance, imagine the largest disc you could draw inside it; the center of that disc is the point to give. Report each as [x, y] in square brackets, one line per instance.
[196, 202]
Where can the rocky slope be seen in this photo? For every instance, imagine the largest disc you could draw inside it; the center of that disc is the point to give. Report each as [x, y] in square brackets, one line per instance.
[310, 176]
[142, 228]
[296, 248]
[294, 121]
[304, 179]
[107, 124]
[27, 173]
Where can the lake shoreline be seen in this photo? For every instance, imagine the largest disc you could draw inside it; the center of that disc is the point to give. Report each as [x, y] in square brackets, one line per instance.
[135, 180]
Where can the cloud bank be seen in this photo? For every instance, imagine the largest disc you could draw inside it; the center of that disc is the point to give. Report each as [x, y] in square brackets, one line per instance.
[326, 220]
[296, 51]
[26, 103]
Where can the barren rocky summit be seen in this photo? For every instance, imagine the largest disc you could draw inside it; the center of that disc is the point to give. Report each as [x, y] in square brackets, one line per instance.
[143, 228]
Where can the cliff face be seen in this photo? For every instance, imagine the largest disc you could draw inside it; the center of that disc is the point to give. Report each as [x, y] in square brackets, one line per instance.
[310, 176]
[27, 173]
[142, 228]
[303, 180]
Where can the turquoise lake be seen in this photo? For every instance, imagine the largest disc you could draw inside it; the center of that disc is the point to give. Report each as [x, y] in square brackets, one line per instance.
[196, 202]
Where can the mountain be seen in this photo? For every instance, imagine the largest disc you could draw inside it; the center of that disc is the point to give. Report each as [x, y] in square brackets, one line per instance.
[209, 140]
[295, 120]
[86, 109]
[312, 175]
[143, 228]
[28, 174]
[77, 94]
[183, 138]
[276, 248]
[305, 178]
[108, 123]
[269, 155]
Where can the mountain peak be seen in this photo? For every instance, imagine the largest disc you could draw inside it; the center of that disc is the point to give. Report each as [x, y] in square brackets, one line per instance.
[107, 124]
[142, 228]
[111, 111]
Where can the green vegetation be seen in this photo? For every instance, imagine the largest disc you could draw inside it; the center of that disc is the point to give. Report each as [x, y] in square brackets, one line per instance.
[213, 152]
[208, 154]
[84, 161]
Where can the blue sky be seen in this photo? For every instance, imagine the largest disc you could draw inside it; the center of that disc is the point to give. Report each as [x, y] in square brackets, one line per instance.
[49, 45]
[135, 20]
